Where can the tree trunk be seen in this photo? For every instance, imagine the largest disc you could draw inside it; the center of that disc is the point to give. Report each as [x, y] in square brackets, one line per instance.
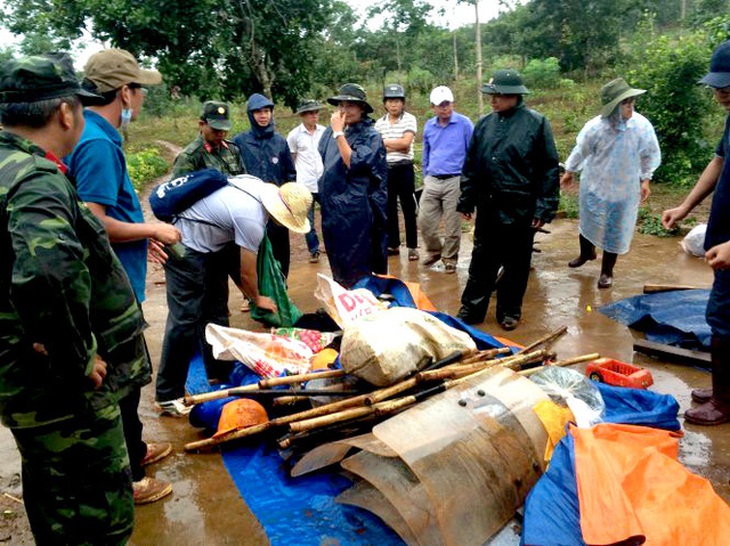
[456, 60]
[480, 99]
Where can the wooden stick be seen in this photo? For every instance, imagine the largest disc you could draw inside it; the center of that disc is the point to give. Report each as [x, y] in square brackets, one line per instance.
[654, 288]
[288, 400]
[561, 363]
[550, 338]
[263, 384]
[487, 354]
[12, 498]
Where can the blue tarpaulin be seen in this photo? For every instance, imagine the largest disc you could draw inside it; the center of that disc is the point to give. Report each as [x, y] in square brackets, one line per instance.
[673, 318]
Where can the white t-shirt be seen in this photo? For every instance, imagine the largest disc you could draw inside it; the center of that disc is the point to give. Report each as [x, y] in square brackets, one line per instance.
[308, 163]
[405, 124]
[232, 213]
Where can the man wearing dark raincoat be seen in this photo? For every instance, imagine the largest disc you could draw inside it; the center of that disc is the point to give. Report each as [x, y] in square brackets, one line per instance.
[266, 155]
[353, 189]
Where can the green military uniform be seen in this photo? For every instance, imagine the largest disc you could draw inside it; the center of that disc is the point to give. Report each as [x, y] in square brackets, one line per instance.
[63, 288]
[201, 155]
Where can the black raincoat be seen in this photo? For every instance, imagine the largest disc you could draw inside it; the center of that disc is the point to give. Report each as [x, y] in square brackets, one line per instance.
[354, 203]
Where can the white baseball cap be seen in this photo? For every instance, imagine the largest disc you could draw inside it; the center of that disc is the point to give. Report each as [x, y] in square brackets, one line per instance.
[441, 94]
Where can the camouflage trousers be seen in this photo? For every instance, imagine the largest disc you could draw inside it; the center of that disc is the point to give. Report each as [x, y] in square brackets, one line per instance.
[77, 484]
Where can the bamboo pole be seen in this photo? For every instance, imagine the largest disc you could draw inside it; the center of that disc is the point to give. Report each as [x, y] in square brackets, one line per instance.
[550, 338]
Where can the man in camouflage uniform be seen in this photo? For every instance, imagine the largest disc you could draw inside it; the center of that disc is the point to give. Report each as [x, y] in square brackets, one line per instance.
[70, 329]
[211, 150]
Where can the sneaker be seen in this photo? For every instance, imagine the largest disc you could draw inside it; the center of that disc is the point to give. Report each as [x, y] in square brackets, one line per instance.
[174, 408]
[245, 306]
[449, 267]
[156, 452]
[149, 490]
[412, 255]
[314, 257]
[428, 261]
[393, 251]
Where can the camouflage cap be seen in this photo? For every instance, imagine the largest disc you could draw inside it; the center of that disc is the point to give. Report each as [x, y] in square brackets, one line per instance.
[309, 105]
[111, 69]
[216, 114]
[41, 77]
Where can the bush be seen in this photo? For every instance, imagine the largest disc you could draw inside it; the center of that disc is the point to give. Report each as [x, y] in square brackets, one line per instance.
[145, 166]
[421, 80]
[544, 73]
[674, 103]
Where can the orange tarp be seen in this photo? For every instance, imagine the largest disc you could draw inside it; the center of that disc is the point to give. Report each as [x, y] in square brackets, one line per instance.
[630, 484]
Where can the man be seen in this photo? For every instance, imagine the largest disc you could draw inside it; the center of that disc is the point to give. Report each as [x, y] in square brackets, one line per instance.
[70, 328]
[445, 141]
[197, 288]
[99, 169]
[398, 129]
[353, 189]
[303, 142]
[511, 177]
[714, 407]
[266, 155]
[211, 150]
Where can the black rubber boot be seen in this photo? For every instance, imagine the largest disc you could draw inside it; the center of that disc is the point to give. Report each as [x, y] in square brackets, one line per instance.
[587, 252]
[607, 265]
[716, 410]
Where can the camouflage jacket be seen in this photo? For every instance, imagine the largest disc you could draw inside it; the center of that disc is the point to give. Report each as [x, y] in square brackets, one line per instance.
[200, 155]
[62, 286]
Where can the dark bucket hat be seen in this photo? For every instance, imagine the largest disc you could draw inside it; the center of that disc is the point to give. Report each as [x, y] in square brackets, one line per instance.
[614, 92]
[217, 115]
[505, 82]
[309, 105]
[42, 77]
[351, 92]
[719, 74]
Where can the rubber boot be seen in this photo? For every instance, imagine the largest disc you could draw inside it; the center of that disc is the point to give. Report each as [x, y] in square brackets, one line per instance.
[701, 395]
[607, 265]
[587, 252]
[717, 409]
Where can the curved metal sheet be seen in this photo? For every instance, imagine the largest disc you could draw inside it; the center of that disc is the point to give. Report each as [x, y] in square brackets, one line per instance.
[334, 452]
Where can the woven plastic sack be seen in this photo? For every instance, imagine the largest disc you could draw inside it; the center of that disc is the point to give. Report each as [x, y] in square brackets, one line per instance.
[346, 306]
[267, 355]
[385, 347]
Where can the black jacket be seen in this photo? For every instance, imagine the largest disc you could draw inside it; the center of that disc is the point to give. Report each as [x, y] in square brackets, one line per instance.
[511, 168]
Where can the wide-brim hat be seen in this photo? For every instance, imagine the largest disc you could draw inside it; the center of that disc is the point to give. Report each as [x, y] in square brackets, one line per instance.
[288, 204]
[505, 82]
[111, 69]
[309, 105]
[719, 74]
[351, 92]
[614, 92]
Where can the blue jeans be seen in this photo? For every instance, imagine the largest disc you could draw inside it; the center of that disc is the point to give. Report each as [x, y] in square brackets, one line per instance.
[311, 236]
[718, 306]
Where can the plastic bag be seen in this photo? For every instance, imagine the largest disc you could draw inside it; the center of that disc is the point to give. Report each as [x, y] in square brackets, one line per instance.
[273, 285]
[346, 306]
[694, 242]
[267, 355]
[313, 339]
[572, 388]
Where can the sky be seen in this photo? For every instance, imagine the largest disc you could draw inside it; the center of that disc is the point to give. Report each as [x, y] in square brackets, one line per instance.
[455, 15]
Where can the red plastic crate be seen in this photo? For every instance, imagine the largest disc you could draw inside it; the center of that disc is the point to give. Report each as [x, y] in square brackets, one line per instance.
[620, 374]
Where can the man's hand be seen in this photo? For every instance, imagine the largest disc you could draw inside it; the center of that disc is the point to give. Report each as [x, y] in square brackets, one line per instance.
[264, 302]
[645, 191]
[98, 373]
[670, 217]
[719, 256]
[566, 181]
[537, 223]
[337, 121]
[167, 234]
[156, 252]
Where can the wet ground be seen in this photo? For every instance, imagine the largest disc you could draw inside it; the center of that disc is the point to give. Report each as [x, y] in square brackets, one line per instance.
[206, 508]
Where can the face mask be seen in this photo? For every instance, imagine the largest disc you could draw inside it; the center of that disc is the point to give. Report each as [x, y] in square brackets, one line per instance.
[126, 116]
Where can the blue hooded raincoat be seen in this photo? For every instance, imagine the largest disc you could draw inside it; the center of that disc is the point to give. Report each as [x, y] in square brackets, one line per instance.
[354, 204]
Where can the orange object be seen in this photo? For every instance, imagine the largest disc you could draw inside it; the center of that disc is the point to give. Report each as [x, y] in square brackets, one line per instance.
[619, 374]
[241, 413]
[323, 359]
[631, 485]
